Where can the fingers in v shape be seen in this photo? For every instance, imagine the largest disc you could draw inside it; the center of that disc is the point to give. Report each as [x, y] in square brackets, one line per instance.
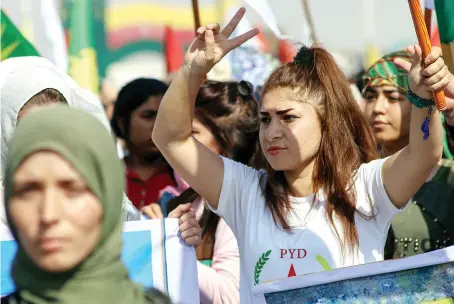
[231, 26]
[237, 41]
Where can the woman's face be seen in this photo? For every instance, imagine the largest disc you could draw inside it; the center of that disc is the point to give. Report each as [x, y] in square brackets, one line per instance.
[388, 111]
[56, 216]
[204, 135]
[141, 126]
[290, 131]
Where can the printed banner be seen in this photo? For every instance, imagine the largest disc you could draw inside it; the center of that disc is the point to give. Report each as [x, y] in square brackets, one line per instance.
[418, 279]
[153, 252]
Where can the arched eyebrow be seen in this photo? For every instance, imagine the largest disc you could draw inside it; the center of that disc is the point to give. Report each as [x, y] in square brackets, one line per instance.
[281, 112]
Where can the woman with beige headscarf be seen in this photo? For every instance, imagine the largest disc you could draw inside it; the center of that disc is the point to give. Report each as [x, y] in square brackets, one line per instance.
[63, 183]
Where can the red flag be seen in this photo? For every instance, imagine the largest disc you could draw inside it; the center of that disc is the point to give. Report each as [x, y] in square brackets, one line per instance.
[173, 50]
[286, 51]
[264, 47]
[435, 37]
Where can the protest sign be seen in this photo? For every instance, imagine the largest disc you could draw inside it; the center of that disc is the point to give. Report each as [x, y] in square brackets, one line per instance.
[419, 279]
[153, 252]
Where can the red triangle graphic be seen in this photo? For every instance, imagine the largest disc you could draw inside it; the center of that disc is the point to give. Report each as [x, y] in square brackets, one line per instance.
[291, 272]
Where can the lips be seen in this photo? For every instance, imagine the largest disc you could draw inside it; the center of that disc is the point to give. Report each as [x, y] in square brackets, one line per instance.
[50, 245]
[379, 123]
[275, 150]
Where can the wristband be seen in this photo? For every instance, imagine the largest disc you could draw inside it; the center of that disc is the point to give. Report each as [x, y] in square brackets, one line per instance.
[419, 102]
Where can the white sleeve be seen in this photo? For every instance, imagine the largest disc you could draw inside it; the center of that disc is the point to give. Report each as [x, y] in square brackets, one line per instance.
[238, 198]
[370, 175]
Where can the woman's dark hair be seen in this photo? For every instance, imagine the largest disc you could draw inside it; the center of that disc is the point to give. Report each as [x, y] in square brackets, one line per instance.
[132, 96]
[230, 111]
[346, 142]
[46, 96]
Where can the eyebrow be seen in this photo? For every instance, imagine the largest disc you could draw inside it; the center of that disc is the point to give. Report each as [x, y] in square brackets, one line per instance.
[392, 91]
[154, 112]
[277, 112]
[389, 91]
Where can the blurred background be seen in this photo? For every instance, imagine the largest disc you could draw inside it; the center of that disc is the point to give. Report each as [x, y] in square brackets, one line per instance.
[132, 38]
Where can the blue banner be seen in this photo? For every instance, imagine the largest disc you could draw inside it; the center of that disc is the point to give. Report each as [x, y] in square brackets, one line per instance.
[153, 253]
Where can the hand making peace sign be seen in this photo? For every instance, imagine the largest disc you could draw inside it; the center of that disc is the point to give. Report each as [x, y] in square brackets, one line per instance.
[211, 44]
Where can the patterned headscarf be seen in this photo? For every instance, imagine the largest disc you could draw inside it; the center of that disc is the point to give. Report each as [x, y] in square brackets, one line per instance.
[384, 72]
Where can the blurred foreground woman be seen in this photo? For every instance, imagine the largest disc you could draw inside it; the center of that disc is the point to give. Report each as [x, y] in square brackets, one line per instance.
[63, 185]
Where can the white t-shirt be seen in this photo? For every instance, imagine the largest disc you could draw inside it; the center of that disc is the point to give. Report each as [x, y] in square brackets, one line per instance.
[268, 253]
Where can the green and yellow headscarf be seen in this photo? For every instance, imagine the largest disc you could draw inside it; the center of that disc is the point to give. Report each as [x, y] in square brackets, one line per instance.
[384, 72]
[86, 144]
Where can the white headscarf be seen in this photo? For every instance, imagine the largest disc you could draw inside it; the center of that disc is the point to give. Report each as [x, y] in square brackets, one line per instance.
[21, 78]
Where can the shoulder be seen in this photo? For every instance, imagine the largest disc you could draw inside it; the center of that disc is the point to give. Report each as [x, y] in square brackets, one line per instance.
[369, 187]
[237, 171]
[373, 166]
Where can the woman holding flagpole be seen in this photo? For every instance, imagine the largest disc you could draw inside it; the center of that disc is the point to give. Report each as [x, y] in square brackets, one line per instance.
[325, 200]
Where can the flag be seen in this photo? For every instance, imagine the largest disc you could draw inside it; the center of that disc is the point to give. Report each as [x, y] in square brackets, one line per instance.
[373, 54]
[55, 35]
[13, 42]
[266, 14]
[83, 67]
[173, 49]
[287, 51]
[445, 13]
[102, 52]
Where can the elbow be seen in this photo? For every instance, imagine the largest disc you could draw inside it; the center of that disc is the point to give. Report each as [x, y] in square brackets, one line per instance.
[436, 155]
[164, 136]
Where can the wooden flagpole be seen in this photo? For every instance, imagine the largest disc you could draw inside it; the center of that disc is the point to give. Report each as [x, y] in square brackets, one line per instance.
[196, 14]
[428, 20]
[424, 42]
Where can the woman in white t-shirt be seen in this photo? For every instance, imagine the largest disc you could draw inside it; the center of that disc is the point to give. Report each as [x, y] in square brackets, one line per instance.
[324, 202]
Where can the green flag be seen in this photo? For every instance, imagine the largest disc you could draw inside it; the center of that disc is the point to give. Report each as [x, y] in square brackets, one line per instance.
[83, 66]
[100, 37]
[13, 43]
[445, 18]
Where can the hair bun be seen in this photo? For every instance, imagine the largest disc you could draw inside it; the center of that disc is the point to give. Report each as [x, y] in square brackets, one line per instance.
[245, 88]
[304, 57]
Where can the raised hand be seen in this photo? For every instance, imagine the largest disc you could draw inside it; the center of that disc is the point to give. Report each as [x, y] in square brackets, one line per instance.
[432, 75]
[212, 44]
[449, 89]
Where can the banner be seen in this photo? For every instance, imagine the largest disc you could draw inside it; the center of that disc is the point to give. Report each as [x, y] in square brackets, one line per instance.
[419, 279]
[153, 252]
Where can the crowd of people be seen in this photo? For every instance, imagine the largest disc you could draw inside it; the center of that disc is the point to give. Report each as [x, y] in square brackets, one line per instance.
[300, 178]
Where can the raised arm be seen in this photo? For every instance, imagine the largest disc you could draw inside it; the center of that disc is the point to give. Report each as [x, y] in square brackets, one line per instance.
[172, 133]
[406, 171]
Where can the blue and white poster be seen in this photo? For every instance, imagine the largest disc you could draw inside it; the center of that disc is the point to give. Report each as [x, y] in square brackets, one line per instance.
[153, 252]
[426, 278]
